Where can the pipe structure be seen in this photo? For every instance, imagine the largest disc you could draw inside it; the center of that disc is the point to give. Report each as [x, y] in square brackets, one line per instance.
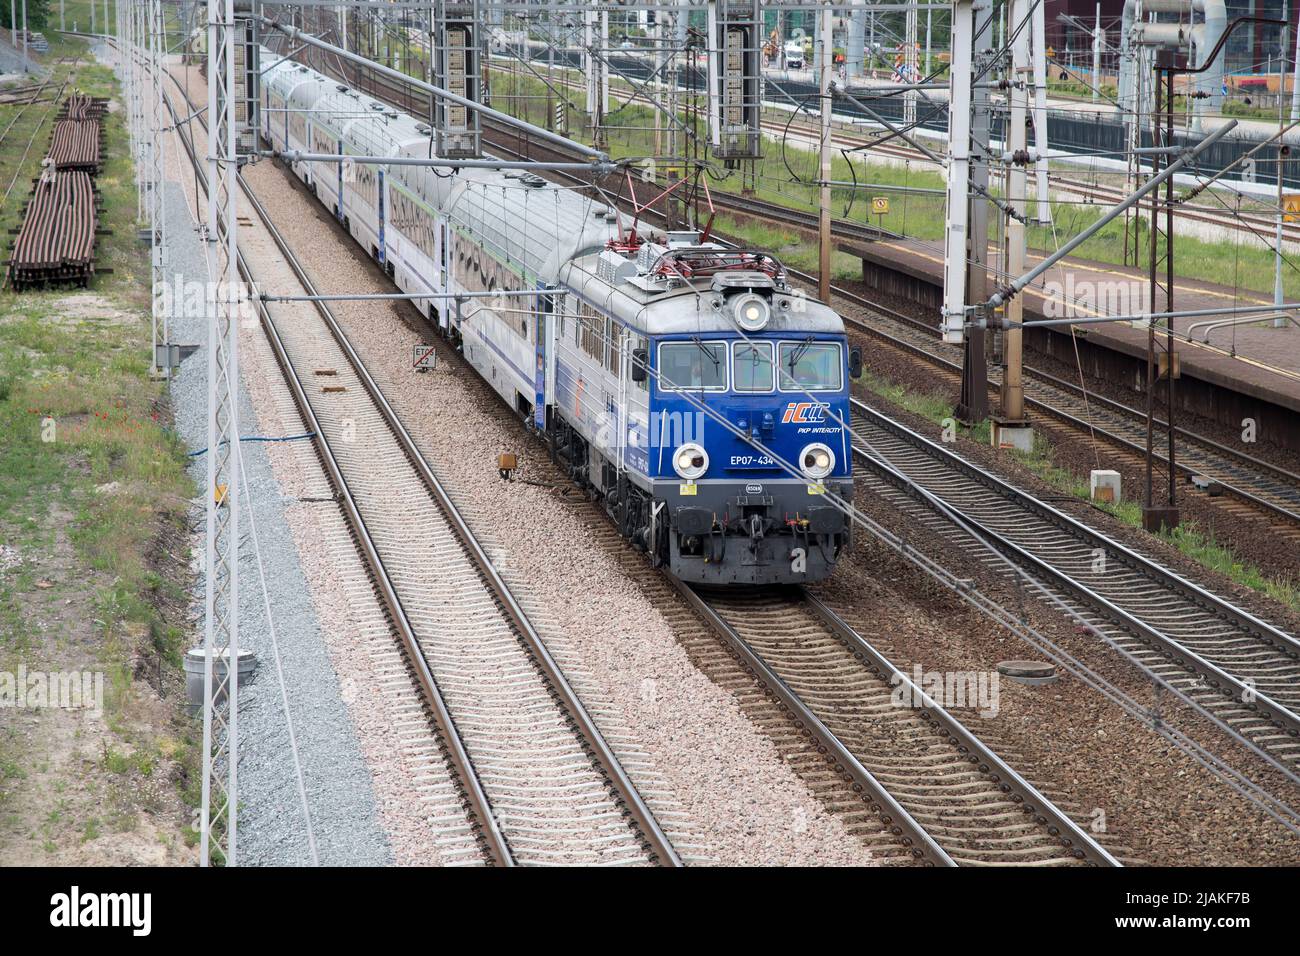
[296, 35]
[855, 45]
[1014, 287]
[1199, 40]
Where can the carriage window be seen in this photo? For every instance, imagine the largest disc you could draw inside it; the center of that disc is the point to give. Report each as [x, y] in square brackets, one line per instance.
[810, 365]
[751, 366]
[592, 332]
[693, 365]
[640, 344]
[614, 337]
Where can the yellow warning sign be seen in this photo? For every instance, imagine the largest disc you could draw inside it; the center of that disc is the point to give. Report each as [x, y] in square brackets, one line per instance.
[880, 205]
[1291, 207]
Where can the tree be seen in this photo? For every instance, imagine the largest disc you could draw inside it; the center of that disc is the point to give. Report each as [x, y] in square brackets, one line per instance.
[38, 14]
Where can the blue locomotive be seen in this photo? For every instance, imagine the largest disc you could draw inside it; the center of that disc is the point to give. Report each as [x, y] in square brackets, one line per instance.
[683, 381]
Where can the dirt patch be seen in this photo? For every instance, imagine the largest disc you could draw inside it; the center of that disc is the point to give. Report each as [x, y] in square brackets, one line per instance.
[95, 781]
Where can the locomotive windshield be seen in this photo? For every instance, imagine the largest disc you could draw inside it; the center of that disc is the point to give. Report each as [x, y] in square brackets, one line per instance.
[810, 365]
[690, 365]
[752, 364]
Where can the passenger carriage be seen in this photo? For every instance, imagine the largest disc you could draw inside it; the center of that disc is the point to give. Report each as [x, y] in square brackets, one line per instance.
[685, 383]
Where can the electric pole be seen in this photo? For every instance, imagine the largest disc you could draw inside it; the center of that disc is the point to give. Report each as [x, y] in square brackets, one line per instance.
[824, 45]
[966, 235]
[1009, 426]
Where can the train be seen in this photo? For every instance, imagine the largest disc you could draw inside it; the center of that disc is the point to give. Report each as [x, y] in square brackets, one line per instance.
[683, 382]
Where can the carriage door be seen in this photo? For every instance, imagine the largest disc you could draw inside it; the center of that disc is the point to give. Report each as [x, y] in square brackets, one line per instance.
[339, 164]
[444, 255]
[545, 327]
[379, 178]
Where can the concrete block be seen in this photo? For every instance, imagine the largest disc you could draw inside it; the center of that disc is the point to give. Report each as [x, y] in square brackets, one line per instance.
[1012, 437]
[1105, 486]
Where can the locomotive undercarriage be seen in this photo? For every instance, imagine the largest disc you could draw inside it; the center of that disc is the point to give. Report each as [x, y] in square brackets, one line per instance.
[720, 534]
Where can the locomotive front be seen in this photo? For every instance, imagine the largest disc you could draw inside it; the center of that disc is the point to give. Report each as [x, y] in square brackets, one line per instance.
[750, 456]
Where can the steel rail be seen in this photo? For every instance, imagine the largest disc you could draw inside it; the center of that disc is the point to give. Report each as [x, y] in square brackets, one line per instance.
[1002, 772]
[494, 841]
[893, 814]
[656, 840]
[1252, 699]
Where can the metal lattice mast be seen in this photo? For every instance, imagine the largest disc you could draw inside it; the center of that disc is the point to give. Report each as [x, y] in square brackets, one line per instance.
[157, 45]
[218, 823]
[138, 53]
[957, 226]
[1012, 391]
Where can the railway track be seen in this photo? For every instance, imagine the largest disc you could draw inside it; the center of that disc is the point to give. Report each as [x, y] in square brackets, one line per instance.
[539, 782]
[1182, 639]
[808, 126]
[1239, 668]
[944, 797]
[1244, 671]
[938, 788]
[1258, 483]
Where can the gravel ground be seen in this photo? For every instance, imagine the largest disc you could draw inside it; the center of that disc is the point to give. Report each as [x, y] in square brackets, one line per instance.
[742, 804]
[1251, 537]
[1156, 801]
[344, 814]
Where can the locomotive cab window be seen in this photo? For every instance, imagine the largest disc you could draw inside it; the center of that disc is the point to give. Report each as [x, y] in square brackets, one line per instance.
[693, 365]
[810, 366]
[751, 366]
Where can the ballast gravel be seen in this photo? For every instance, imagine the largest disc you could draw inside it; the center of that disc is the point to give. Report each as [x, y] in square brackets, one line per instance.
[272, 827]
[742, 804]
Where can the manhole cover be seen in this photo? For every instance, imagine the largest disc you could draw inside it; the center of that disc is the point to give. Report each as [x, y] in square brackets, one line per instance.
[1028, 672]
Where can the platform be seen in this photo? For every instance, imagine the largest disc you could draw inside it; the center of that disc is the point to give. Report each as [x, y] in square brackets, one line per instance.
[1252, 371]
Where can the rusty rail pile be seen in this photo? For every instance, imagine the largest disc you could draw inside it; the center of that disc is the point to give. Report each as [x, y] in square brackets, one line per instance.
[56, 243]
[78, 134]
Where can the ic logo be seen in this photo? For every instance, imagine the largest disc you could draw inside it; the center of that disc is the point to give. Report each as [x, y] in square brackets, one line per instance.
[753, 489]
[804, 413]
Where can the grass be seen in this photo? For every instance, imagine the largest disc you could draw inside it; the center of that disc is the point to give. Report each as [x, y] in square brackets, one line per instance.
[84, 434]
[784, 173]
[933, 407]
[1188, 538]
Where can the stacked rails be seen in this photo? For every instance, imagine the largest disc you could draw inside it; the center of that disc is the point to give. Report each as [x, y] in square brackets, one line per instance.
[78, 134]
[56, 243]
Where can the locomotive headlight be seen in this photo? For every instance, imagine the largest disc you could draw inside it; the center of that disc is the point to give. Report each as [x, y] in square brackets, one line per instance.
[817, 461]
[690, 461]
[751, 312]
